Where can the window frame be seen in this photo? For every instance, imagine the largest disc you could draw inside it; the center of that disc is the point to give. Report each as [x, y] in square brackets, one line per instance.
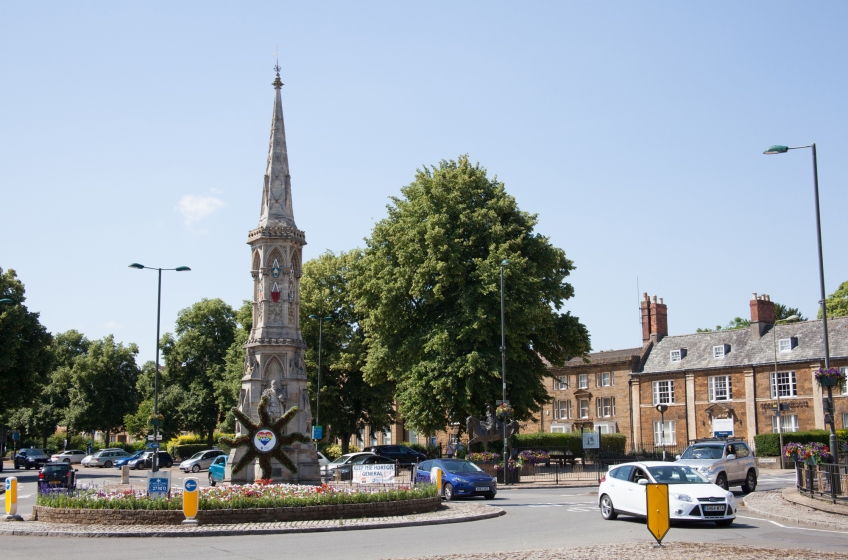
[656, 394]
[791, 384]
[561, 382]
[784, 345]
[605, 407]
[718, 352]
[675, 355]
[844, 371]
[711, 388]
[670, 433]
[583, 381]
[794, 424]
[581, 408]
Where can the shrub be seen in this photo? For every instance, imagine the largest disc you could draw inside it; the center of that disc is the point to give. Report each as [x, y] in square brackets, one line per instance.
[768, 445]
[572, 441]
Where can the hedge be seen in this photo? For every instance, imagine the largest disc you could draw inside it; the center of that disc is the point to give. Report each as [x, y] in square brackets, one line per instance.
[572, 441]
[768, 445]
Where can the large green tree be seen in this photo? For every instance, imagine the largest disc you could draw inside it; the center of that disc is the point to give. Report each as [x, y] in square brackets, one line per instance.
[348, 402]
[428, 287]
[25, 357]
[103, 386]
[230, 385]
[196, 362]
[837, 302]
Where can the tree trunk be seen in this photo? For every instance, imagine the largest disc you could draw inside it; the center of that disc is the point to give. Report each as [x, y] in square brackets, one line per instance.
[210, 441]
[106, 435]
[345, 443]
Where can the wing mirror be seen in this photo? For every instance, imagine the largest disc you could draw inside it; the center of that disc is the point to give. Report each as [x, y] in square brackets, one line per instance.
[677, 457]
[731, 456]
[643, 482]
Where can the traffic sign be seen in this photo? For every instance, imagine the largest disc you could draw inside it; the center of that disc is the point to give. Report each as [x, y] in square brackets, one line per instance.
[155, 445]
[656, 496]
[317, 432]
[190, 501]
[16, 435]
[151, 437]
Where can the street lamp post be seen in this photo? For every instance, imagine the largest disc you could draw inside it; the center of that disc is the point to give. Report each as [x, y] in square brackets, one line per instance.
[504, 263]
[789, 319]
[829, 414]
[662, 409]
[155, 460]
[318, 390]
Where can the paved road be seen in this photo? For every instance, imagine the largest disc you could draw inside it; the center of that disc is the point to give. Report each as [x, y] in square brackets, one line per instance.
[539, 518]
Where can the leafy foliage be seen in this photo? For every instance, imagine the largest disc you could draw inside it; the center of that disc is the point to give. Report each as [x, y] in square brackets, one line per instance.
[25, 357]
[197, 392]
[348, 402]
[572, 441]
[781, 312]
[768, 445]
[428, 286]
[837, 302]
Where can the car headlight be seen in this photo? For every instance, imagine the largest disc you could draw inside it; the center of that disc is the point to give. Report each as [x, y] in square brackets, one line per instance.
[704, 470]
[461, 480]
[729, 496]
[681, 497]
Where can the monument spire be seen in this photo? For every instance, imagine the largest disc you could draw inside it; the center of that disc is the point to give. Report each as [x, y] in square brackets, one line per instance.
[276, 193]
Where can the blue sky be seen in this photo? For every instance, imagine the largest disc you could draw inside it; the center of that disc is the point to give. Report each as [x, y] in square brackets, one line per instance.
[137, 132]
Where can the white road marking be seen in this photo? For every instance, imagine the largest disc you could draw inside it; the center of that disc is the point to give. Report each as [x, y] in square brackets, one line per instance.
[24, 496]
[797, 528]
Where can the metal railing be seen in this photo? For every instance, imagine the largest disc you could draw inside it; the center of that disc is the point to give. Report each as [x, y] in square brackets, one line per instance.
[823, 481]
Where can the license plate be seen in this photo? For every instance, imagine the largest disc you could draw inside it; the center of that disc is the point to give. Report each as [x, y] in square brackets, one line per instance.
[713, 508]
[484, 488]
[55, 482]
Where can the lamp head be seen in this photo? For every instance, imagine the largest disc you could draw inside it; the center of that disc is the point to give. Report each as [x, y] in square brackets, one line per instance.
[791, 319]
[136, 265]
[6, 300]
[314, 317]
[662, 408]
[777, 150]
[504, 262]
[182, 269]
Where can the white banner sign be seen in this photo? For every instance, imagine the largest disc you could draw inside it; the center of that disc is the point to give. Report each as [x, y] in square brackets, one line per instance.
[373, 474]
[723, 427]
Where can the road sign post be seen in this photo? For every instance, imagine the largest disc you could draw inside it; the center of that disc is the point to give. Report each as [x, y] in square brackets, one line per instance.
[191, 500]
[12, 499]
[656, 496]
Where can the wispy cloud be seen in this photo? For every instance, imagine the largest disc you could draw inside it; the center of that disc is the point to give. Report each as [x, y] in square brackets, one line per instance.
[195, 207]
[113, 325]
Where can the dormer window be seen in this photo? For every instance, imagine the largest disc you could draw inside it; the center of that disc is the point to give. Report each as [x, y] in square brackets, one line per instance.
[787, 344]
[677, 355]
[721, 351]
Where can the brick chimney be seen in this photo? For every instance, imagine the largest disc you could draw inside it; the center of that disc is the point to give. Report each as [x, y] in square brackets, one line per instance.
[654, 319]
[762, 315]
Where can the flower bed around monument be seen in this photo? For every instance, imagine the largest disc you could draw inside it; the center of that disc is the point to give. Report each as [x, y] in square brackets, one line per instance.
[236, 504]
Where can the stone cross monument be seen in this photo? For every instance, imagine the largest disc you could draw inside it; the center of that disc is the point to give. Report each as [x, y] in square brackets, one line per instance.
[274, 350]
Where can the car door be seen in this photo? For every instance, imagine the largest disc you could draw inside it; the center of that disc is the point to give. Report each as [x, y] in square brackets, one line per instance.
[635, 500]
[422, 472]
[731, 466]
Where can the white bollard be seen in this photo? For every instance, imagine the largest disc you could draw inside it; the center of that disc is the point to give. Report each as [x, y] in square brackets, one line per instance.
[125, 474]
[436, 478]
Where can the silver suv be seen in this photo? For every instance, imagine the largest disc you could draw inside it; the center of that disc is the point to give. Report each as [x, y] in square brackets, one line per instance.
[725, 462]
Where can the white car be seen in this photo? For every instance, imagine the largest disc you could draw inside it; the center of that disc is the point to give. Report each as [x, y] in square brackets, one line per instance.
[104, 458]
[691, 496]
[322, 461]
[70, 456]
[329, 469]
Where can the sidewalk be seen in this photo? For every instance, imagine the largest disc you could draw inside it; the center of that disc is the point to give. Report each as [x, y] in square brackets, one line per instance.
[451, 512]
[790, 506]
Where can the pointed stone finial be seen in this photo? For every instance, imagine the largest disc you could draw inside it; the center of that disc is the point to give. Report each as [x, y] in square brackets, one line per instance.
[277, 83]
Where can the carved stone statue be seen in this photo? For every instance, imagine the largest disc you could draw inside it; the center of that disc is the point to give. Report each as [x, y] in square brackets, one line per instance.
[489, 429]
[296, 365]
[276, 400]
[250, 363]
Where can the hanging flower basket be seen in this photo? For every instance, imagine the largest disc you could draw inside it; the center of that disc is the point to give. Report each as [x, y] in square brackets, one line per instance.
[793, 451]
[830, 377]
[504, 411]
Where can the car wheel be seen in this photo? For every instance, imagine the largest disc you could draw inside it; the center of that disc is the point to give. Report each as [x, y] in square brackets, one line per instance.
[750, 483]
[489, 496]
[724, 523]
[195, 469]
[169, 464]
[448, 491]
[108, 464]
[28, 467]
[211, 480]
[68, 461]
[607, 509]
[722, 481]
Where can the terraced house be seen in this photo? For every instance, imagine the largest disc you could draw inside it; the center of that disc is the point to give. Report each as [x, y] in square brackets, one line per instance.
[714, 383]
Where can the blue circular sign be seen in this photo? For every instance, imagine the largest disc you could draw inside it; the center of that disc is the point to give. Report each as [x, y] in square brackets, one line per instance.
[190, 485]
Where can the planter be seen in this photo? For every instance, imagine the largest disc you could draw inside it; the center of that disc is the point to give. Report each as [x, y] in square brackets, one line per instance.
[812, 461]
[512, 477]
[828, 382]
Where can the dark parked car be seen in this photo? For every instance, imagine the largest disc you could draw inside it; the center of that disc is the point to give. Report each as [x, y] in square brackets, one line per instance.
[57, 475]
[400, 453]
[145, 461]
[31, 458]
[124, 460]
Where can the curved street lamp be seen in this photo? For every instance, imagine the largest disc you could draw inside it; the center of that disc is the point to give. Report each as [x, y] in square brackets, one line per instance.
[155, 461]
[829, 415]
[318, 390]
[6, 300]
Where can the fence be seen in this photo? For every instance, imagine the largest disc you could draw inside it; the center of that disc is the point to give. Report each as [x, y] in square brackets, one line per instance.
[824, 481]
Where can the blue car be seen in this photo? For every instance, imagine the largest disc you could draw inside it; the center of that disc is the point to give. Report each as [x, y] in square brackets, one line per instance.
[124, 460]
[217, 470]
[460, 478]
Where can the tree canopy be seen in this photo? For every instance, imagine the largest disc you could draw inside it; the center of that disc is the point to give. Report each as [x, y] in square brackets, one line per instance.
[348, 402]
[781, 312]
[197, 393]
[428, 289]
[837, 302]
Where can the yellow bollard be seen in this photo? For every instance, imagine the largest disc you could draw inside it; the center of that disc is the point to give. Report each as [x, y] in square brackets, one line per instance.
[12, 499]
[191, 500]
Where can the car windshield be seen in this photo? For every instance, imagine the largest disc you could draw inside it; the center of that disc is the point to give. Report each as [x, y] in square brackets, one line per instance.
[98, 454]
[51, 469]
[343, 459]
[197, 455]
[703, 452]
[461, 467]
[677, 474]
